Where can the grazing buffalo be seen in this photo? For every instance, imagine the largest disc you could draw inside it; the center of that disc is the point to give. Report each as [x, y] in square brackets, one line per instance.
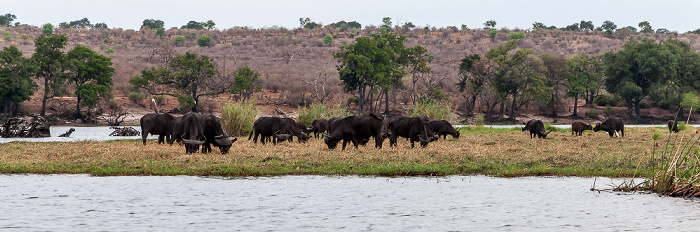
[355, 129]
[266, 127]
[332, 124]
[157, 124]
[192, 130]
[214, 134]
[177, 135]
[536, 128]
[283, 137]
[443, 128]
[578, 128]
[319, 126]
[527, 125]
[415, 128]
[672, 126]
[612, 126]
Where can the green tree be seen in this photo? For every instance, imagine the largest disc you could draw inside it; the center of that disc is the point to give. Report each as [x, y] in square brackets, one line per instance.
[16, 84]
[586, 25]
[328, 39]
[490, 24]
[646, 27]
[585, 78]
[417, 65]
[160, 32]
[6, 20]
[556, 72]
[662, 31]
[204, 41]
[209, 25]
[572, 27]
[245, 82]
[687, 79]
[307, 24]
[51, 60]
[91, 73]
[476, 74]
[608, 27]
[187, 77]
[100, 26]
[516, 35]
[538, 25]
[492, 34]
[47, 29]
[152, 24]
[633, 71]
[516, 74]
[193, 25]
[82, 23]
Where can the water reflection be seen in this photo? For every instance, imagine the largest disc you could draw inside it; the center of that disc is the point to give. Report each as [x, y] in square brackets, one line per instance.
[97, 133]
[350, 203]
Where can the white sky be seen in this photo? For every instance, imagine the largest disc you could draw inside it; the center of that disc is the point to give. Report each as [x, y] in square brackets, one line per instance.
[674, 15]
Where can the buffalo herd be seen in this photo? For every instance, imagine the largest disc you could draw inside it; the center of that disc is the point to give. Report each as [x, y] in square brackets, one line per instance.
[195, 130]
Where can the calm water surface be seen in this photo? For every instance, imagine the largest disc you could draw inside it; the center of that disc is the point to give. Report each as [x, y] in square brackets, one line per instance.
[329, 203]
[97, 133]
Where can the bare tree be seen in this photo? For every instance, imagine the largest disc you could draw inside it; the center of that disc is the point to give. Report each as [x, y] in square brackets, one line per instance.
[321, 89]
[288, 53]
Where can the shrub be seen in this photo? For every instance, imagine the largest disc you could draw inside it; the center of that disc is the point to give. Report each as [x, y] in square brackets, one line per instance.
[607, 100]
[307, 115]
[179, 40]
[204, 41]
[237, 118]
[160, 99]
[593, 113]
[516, 35]
[136, 97]
[434, 110]
[328, 39]
[109, 51]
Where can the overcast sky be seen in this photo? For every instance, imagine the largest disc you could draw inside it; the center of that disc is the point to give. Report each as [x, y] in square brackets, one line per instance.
[674, 15]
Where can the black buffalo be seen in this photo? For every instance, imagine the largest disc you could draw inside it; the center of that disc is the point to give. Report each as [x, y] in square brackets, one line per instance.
[332, 124]
[672, 126]
[355, 129]
[266, 127]
[577, 128]
[177, 136]
[214, 134]
[415, 129]
[536, 128]
[319, 126]
[283, 137]
[192, 132]
[157, 124]
[443, 128]
[612, 126]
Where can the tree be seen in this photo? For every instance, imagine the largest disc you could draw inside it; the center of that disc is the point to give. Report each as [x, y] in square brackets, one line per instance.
[193, 25]
[47, 29]
[16, 84]
[586, 25]
[179, 40]
[585, 78]
[633, 71]
[609, 26]
[204, 41]
[417, 65]
[328, 39]
[91, 73]
[82, 23]
[490, 24]
[100, 26]
[476, 74]
[245, 82]
[556, 72]
[152, 24]
[572, 27]
[662, 31]
[209, 25]
[492, 35]
[6, 20]
[538, 25]
[307, 24]
[515, 75]
[191, 76]
[516, 35]
[687, 72]
[646, 27]
[51, 60]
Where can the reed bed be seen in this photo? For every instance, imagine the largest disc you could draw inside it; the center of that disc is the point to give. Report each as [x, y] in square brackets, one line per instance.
[495, 152]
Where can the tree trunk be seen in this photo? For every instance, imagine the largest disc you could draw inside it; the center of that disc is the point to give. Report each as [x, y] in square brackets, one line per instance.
[46, 96]
[361, 100]
[77, 108]
[502, 110]
[512, 108]
[386, 107]
[636, 111]
[575, 106]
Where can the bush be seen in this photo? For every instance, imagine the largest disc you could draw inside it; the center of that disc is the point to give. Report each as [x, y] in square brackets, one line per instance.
[328, 39]
[179, 40]
[204, 41]
[306, 115]
[237, 118]
[607, 100]
[136, 97]
[159, 99]
[593, 113]
[434, 110]
[516, 35]
[109, 51]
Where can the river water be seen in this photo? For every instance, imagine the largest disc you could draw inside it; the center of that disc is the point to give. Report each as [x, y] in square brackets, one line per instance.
[96, 133]
[333, 203]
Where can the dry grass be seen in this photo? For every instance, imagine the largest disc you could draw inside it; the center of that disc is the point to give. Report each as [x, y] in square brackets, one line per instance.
[488, 151]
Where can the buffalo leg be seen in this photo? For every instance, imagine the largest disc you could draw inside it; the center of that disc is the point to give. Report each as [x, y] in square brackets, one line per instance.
[143, 136]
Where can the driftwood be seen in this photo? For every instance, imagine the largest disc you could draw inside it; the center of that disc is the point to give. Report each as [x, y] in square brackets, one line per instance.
[26, 127]
[125, 131]
[67, 134]
[277, 111]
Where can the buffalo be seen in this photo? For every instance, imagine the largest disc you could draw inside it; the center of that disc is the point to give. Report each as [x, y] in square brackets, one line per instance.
[332, 124]
[578, 128]
[157, 124]
[536, 128]
[192, 130]
[283, 137]
[612, 126]
[214, 134]
[443, 128]
[673, 126]
[355, 129]
[414, 128]
[177, 136]
[266, 127]
[319, 126]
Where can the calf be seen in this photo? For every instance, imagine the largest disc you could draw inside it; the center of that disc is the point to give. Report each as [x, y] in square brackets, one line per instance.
[443, 128]
[672, 126]
[319, 126]
[578, 128]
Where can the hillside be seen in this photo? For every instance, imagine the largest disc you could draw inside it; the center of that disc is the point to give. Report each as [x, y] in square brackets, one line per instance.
[288, 59]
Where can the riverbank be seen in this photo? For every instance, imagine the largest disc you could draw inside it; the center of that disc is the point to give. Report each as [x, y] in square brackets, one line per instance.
[488, 151]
